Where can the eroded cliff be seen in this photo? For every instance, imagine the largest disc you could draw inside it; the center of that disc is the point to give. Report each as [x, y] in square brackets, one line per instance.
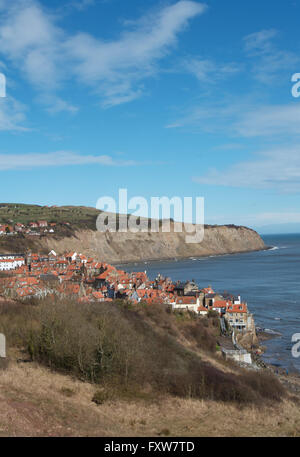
[127, 247]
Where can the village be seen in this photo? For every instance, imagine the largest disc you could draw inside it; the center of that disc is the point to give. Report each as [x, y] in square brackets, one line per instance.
[32, 228]
[77, 276]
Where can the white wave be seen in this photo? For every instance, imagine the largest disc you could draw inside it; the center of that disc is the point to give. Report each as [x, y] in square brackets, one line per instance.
[279, 247]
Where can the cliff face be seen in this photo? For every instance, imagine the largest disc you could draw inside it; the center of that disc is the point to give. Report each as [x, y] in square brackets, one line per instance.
[130, 247]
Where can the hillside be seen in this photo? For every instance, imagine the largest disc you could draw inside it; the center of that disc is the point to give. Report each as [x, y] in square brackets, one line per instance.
[81, 235]
[78, 216]
[85, 370]
[35, 401]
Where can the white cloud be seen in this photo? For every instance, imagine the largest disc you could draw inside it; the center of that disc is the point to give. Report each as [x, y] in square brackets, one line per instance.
[275, 169]
[34, 47]
[270, 63]
[244, 119]
[208, 71]
[117, 67]
[12, 115]
[57, 159]
[55, 104]
[264, 219]
[277, 218]
[260, 42]
[212, 117]
[113, 69]
[81, 4]
[272, 120]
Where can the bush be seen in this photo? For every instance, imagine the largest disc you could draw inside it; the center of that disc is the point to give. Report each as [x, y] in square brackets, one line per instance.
[265, 384]
[100, 397]
[164, 432]
[203, 332]
[128, 350]
[67, 392]
[213, 314]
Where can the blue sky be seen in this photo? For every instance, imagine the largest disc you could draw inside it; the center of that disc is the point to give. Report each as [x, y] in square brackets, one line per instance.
[176, 98]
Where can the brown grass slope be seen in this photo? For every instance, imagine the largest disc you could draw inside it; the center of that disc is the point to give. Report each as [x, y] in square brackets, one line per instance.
[35, 401]
[109, 369]
[131, 347]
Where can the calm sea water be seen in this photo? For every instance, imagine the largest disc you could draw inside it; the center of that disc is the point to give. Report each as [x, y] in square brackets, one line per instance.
[268, 281]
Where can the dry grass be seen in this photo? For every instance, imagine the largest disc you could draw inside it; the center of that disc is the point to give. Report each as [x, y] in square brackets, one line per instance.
[132, 349]
[33, 403]
[164, 354]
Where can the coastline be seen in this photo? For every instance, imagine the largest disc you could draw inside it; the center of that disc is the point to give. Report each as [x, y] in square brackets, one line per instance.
[178, 258]
[291, 380]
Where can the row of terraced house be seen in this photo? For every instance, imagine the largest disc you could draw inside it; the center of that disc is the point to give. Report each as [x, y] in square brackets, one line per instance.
[31, 227]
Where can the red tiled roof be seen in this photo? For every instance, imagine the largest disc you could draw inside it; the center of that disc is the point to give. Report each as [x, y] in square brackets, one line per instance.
[242, 308]
[186, 300]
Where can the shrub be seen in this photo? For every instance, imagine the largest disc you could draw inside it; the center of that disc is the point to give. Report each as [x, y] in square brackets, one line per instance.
[164, 432]
[67, 392]
[203, 333]
[127, 350]
[265, 384]
[212, 314]
[100, 397]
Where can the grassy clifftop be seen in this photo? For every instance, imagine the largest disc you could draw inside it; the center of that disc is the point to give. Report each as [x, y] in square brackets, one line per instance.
[78, 216]
[80, 234]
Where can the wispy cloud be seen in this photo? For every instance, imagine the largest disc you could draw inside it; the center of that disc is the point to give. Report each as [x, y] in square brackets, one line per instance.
[80, 4]
[258, 220]
[114, 69]
[212, 117]
[260, 42]
[209, 71]
[243, 111]
[12, 115]
[272, 120]
[277, 169]
[277, 218]
[243, 119]
[55, 104]
[58, 159]
[269, 63]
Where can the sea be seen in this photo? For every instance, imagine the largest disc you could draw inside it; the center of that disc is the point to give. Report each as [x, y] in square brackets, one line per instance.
[269, 281]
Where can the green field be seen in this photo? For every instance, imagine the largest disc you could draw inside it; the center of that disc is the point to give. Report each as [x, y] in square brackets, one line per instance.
[77, 216]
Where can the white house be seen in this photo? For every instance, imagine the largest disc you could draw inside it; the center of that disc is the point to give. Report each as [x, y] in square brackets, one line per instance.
[11, 263]
[202, 311]
[71, 256]
[186, 303]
